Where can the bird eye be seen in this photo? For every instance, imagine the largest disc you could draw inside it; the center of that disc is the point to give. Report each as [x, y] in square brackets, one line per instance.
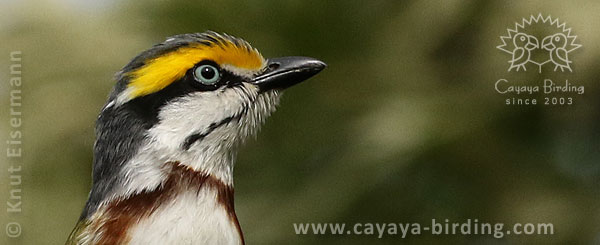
[522, 38]
[206, 74]
[556, 38]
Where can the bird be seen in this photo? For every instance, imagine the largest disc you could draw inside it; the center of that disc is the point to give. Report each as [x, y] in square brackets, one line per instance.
[556, 44]
[521, 54]
[168, 135]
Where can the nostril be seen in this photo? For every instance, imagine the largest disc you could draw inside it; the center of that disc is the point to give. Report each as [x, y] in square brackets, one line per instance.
[273, 66]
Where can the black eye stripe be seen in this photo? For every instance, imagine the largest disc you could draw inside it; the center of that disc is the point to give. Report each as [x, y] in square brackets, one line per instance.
[226, 78]
[148, 106]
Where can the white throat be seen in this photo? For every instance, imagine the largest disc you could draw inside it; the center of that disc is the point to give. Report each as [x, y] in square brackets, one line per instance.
[214, 154]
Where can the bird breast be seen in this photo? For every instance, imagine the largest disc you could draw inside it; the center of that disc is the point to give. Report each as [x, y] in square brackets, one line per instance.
[190, 218]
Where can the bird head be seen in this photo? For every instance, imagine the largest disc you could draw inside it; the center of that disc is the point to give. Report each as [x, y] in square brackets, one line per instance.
[522, 40]
[552, 42]
[190, 99]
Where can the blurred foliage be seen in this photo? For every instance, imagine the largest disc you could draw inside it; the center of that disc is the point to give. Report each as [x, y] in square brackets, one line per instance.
[403, 126]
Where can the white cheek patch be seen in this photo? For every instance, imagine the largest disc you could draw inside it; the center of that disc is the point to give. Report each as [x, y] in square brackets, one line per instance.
[215, 153]
[196, 112]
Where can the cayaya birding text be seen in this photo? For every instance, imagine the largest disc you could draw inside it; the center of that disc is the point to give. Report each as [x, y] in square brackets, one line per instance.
[555, 93]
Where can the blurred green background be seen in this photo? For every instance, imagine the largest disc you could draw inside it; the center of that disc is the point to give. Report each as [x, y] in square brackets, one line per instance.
[403, 126]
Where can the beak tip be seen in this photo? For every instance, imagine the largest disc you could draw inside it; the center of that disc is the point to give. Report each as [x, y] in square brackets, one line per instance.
[320, 64]
[317, 65]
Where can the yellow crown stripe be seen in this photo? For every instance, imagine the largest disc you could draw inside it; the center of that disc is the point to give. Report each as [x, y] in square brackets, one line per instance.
[161, 71]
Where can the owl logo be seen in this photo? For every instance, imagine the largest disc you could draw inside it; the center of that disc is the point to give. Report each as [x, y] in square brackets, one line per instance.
[527, 52]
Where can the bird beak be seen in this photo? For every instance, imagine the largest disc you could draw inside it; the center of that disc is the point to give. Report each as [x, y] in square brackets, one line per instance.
[532, 44]
[284, 72]
[547, 43]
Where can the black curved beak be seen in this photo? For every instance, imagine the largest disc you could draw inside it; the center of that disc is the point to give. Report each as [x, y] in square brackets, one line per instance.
[284, 72]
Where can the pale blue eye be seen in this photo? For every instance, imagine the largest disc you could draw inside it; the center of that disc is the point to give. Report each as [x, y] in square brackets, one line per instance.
[207, 74]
